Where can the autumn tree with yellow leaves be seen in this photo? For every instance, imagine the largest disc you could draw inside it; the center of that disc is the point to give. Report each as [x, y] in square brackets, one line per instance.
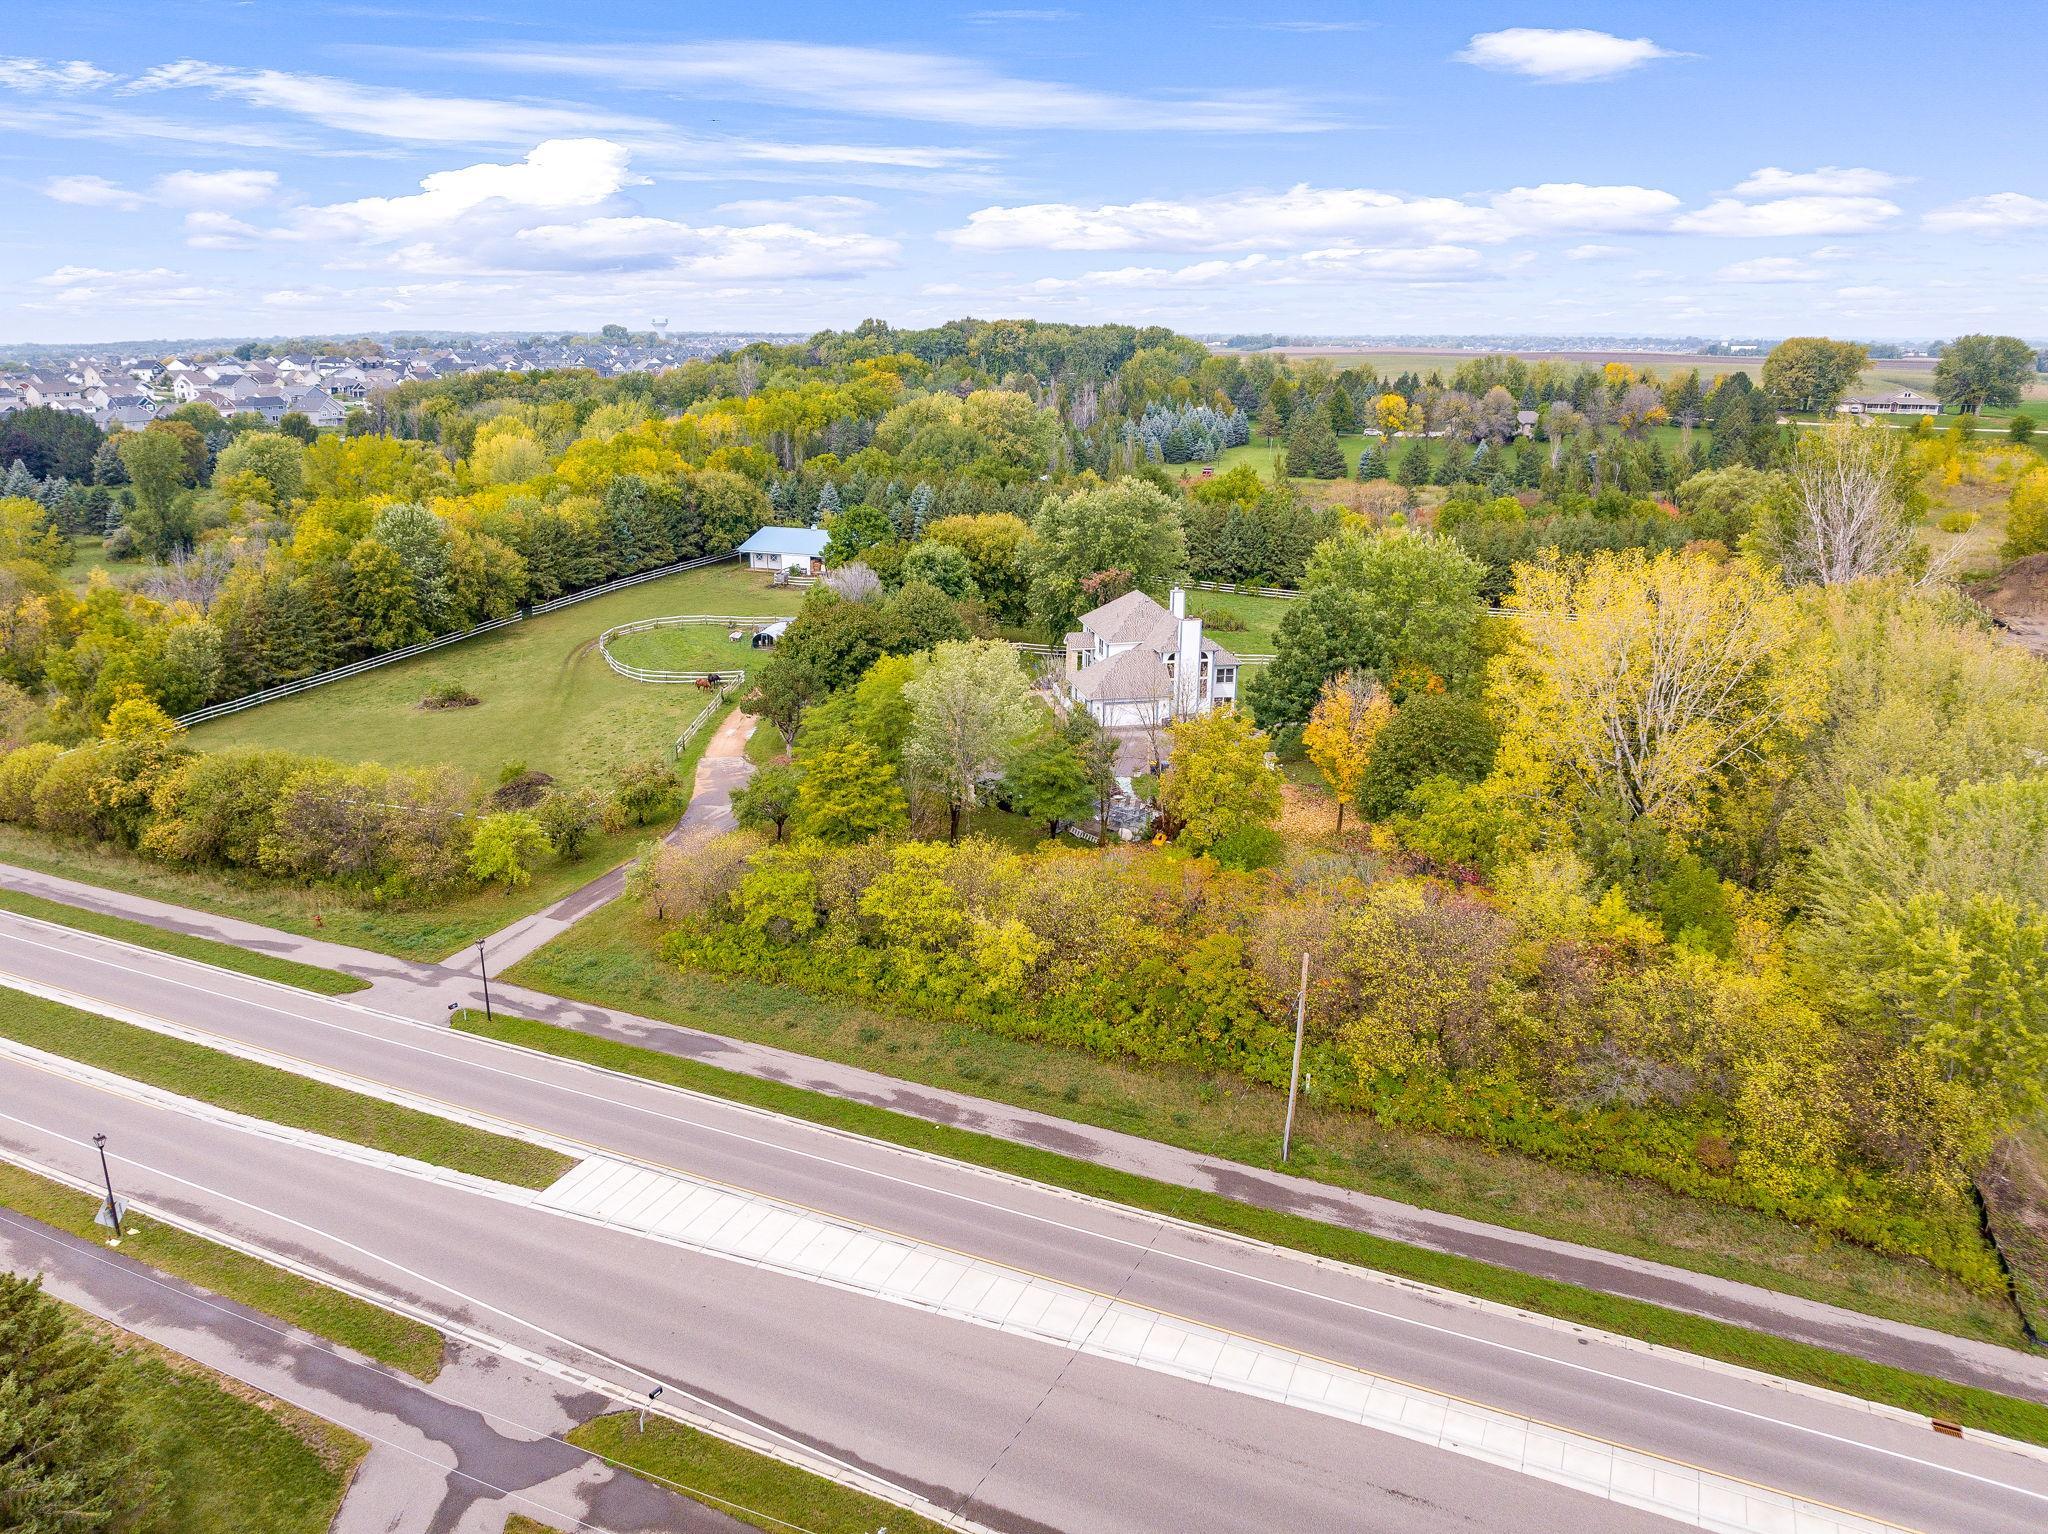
[1339, 736]
[1650, 683]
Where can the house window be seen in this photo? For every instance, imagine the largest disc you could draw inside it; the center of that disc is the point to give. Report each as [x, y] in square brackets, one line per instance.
[1225, 675]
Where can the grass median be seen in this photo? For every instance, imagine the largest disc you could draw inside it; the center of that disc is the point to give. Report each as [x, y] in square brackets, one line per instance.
[266, 1092]
[233, 1460]
[753, 1488]
[307, 977]
[1787, 1359]
[368, 1329]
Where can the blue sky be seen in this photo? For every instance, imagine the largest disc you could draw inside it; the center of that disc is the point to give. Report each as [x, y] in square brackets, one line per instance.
[195, 167]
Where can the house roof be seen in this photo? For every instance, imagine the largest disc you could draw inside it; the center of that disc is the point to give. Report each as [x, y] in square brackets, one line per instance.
[1130, 676]
[1135, 619]
[807, 541]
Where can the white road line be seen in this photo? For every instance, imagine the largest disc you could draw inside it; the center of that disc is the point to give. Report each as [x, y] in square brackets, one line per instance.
[898, 1493]
[1291, 1290]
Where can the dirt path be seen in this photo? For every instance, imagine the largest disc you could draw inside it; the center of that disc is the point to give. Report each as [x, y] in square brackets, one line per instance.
[721, 771]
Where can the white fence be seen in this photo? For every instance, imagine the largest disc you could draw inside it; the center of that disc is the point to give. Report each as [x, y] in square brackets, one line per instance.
[631, 672]
[1229, 589]
[391, 657]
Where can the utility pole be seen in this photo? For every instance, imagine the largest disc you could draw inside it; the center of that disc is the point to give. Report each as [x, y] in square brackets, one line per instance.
[481, 970]
[1294, 1072]
[113, 1208]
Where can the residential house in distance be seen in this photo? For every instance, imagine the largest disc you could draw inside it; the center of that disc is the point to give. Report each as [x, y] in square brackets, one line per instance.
[321, 408]
[787, 550]
[1905, 402]
[1133, 663]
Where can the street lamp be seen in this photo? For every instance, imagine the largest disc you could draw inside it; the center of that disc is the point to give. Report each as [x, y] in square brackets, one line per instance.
[113, 1209]
[481, 970]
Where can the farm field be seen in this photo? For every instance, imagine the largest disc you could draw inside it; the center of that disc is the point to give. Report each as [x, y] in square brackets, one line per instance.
[1260, 616]
[546, 697]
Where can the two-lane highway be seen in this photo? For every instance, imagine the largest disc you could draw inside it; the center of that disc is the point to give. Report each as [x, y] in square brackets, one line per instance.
[1802, 1445]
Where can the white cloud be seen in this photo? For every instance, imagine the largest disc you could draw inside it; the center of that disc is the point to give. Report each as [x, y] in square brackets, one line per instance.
[177, 189]
[216, 188]
[1572, 205]
[1771, 269]
[1789, 216]
[92, 192]
[762, 252]
[1597, 252]
[1338, 263]
[1303, 215]
[393, 114]
[65, 76]
[1827, 181]
[99, 289]
[1995, 214]
[557, 175]
[897, 83]
[1560, 55]
[798, 210]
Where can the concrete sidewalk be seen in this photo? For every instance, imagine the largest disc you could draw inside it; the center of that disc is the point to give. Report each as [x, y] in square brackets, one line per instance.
[454, 1457]
[424, 992]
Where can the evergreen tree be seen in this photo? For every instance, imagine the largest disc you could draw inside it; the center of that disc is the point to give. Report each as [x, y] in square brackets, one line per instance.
[19, 484]
[69, 1457]
[920, 508]
[1413, 472]
[1372, 463]
[828, 504]
[1312, 448]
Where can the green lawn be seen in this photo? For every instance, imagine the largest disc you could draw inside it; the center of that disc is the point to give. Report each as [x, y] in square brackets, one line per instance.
[232, 1460]
[266, 1092]
[1625, 1317]
[548, 699]
[753, 1488]
[325, 1312]
[307, 977]
[1260, 616]
[87, 555]
[609, 959]
[689, 647]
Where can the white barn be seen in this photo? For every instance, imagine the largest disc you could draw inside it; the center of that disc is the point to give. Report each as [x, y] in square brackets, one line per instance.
[1133, 662]
[797, 550]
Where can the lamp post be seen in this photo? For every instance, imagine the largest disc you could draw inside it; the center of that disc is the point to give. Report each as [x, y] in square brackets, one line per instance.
[481, 970]
[113, 1209]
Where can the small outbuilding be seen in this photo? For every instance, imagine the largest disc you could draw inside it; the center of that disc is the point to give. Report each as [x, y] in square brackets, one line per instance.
[797, 550]
[766, 637]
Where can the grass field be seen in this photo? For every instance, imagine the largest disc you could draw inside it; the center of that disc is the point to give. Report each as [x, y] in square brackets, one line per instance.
[1260, 616]
[548, 699]
[315, 1308]
[609, 959]
[751, 1487]
[233, 1460]
[307, 977]
[689, 647]
[1625, 1317]
[87, 555]
[266, 1092]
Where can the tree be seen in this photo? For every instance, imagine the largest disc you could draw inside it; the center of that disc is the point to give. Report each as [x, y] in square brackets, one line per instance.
[994, 545]
[768, 798]
[159, 466]
[1392, 415]
[1975, 371]
[1221, 786]
[1432, 735]
[1340, 732]
[1930, 922]
[70, 1459]
[970, 705]
[1312, 448]
[1375, 602]
[2026, 520]
[849, 794]
[1130, 526]
[1412, 473]
[1646, 684]
[1850, 512]
[567, 816]
[504, 848]
[1812, 373]
[943, 565]
[1048, 780]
